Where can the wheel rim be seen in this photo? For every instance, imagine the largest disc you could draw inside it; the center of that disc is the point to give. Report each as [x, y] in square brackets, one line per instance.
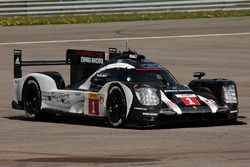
[32, 98]
[117, 108]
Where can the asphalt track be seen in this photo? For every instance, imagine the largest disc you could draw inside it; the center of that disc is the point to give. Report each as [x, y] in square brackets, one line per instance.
[220, 47]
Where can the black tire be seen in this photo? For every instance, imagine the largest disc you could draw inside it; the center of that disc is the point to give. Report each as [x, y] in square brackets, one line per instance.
[32, 99]
[116, 106]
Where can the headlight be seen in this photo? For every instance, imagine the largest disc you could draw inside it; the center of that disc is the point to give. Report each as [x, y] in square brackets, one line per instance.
[147, 96]
[229, 93]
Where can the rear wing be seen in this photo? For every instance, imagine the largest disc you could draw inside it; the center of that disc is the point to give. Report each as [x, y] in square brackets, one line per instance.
[82, 62]
[19, 63]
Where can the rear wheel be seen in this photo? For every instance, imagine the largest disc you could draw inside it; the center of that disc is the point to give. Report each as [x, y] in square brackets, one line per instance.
[116, 106]
[32, 99]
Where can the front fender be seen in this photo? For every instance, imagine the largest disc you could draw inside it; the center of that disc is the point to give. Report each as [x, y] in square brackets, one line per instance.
[127, 91]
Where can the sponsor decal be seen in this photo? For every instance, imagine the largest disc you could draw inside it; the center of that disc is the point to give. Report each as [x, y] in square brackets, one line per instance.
[102, 75]
[189, 99]
[17, 62]
[92, 60]
[139, 108]
[133, 56]
[56, 97]
[94, 103]
[167, 111]
[170, 91]
[233, 111]
[185, 95]
[149, 114]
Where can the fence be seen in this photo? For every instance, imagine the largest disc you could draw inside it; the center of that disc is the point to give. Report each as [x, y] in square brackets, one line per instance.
[63, 7]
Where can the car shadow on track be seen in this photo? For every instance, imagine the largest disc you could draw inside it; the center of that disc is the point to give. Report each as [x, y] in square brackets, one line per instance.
[62, 119]
[200, 124]
[195, 124]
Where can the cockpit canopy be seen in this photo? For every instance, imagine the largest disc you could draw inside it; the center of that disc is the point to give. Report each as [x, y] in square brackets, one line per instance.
[158, 76]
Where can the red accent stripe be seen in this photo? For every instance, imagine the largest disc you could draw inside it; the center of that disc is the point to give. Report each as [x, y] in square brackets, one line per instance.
[86, 53]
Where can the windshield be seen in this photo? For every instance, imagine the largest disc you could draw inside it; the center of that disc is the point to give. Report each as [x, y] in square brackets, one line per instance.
[161, 77]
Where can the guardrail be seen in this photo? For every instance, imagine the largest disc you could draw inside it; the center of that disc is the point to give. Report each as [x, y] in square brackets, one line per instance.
[63, 7]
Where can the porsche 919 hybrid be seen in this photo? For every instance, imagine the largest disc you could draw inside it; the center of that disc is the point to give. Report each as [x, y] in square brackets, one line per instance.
[123, 88]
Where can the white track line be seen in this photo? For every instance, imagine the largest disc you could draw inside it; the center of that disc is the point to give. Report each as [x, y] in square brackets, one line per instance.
[122, 39]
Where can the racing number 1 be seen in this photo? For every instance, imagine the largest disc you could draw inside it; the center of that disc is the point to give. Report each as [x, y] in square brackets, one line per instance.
[94, 104]
[190, 101]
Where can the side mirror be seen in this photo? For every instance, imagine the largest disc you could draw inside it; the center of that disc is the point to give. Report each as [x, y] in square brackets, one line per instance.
[198, 75]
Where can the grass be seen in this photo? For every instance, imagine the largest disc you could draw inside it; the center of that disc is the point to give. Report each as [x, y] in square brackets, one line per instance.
[72, 19]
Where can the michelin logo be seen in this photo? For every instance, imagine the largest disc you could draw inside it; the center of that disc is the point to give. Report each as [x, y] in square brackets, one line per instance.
[91, 60]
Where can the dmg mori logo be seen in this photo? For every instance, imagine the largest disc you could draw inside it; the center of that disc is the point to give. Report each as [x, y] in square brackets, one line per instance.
[92, 60]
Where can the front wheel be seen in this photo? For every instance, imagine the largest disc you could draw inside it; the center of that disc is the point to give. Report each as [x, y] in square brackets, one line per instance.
[32, 98]
[116, 106]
